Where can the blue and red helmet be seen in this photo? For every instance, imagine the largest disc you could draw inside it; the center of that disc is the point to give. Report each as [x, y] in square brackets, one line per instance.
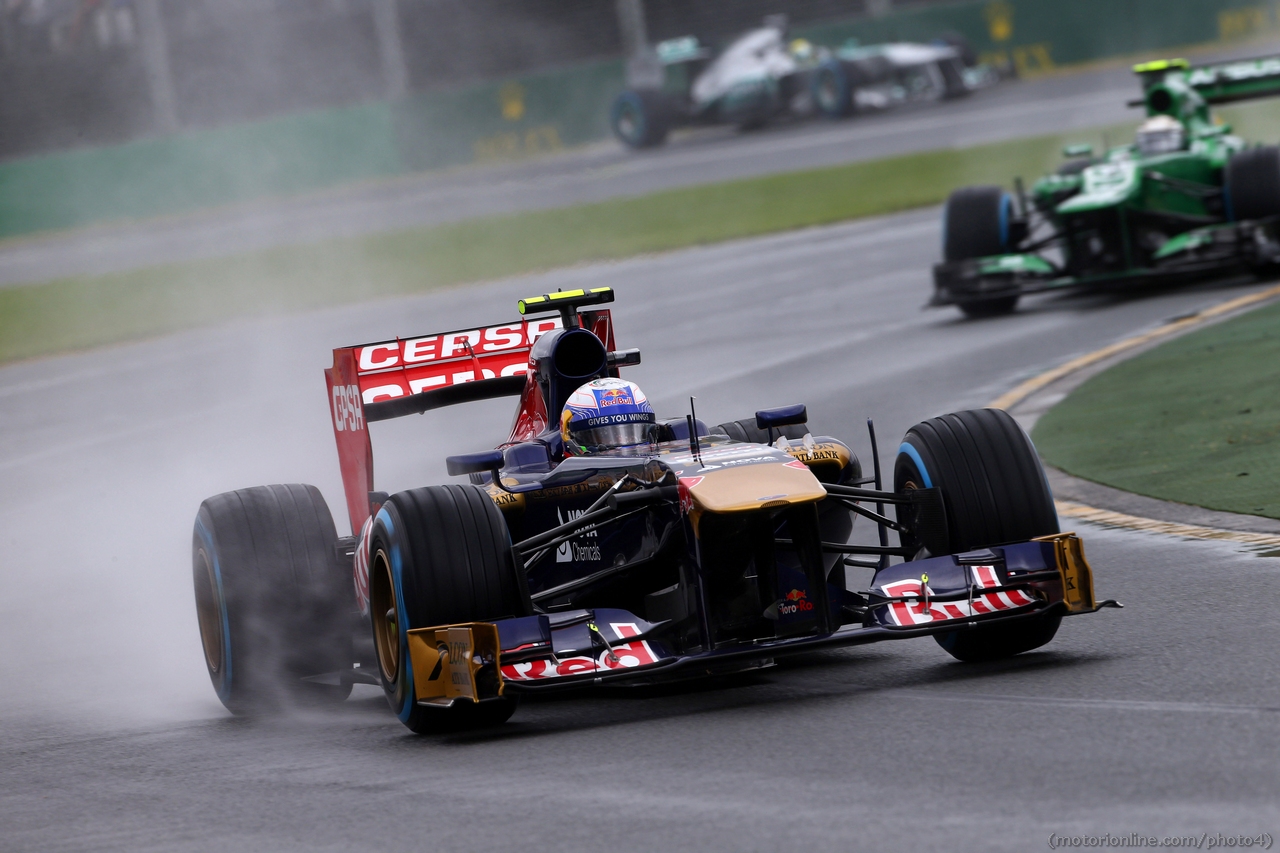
[606, 414]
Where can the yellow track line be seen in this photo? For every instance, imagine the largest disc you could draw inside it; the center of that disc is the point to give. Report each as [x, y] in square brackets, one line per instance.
[1108, 517]
[1035, 383]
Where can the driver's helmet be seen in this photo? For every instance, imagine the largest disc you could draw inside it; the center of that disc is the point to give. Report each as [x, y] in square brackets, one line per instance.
[1160, 135]
[801, 49]
[606, 414]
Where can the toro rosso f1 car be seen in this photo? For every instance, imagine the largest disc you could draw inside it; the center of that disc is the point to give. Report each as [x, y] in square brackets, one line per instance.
[702, 551]
[762, 76]
[1187, 198]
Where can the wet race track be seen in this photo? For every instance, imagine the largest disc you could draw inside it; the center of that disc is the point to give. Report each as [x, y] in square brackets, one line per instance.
[1161, 719]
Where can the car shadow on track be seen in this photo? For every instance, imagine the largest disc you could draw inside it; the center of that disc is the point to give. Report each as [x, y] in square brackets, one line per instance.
[1100, 299]
[813, 678]
[795, 685]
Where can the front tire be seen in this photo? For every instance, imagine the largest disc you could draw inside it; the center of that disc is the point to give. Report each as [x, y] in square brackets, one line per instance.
[1252, 184]
[976, 223]
[273, 601]
[995, 492]
[439, 555]
[641, 118]
[832, 91]
[978, 309]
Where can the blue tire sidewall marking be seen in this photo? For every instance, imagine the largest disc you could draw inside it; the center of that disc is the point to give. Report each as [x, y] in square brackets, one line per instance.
[406, 665]
[836, 71]
[945, 209]
[914, 455]
[224, 689]
[1006, 202]
[637, 109]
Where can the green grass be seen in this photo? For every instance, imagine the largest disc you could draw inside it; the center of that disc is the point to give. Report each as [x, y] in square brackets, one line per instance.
[89, 311]
[83, 312]
[1196, 420]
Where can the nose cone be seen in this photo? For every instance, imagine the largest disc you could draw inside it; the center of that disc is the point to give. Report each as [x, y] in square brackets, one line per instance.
[751, 487]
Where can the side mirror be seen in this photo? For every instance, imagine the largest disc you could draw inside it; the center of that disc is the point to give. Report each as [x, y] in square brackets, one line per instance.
[474, 463]
[1078, 149]
[782, 416]
[623, 358]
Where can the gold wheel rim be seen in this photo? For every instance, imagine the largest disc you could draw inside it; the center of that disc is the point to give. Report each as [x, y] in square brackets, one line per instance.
[208, 612]
[382, 611]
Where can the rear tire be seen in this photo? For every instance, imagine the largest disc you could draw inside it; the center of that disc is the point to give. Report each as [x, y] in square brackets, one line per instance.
[746, 430]
[1252, 184]
[641, 118]
[273, 601]
[995, 492]
[439, 555]
[968, 56]
[976, 223]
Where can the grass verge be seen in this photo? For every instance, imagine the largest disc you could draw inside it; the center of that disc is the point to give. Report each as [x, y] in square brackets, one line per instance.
[89, 311]
[1196, 420]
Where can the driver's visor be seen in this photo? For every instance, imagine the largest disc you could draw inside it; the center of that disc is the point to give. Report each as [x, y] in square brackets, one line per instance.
[613, 436]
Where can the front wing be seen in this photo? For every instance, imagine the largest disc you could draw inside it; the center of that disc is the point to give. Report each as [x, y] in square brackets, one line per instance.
[913, 599]
[1217, 250]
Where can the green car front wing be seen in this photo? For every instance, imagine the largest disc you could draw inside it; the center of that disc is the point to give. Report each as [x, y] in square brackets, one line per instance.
[1217, 250]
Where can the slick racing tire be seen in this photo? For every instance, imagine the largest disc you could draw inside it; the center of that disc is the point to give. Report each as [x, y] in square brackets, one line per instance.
[439, 555]
[979, 308]
[968, 56]
[273, 601]
[952, 70]
[994, 492]
[1252, 184]
[832, 90]
[1076, 165]
[976, 223]
[746, 430]
[641, 118]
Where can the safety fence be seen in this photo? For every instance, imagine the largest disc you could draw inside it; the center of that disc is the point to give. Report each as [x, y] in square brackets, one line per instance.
[307, 152]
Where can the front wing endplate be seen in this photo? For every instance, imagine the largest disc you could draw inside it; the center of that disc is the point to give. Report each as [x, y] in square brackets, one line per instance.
[1074, 569]
[455, 662]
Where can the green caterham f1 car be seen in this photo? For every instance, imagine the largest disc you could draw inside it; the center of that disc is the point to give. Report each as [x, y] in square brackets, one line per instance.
[1186, 199]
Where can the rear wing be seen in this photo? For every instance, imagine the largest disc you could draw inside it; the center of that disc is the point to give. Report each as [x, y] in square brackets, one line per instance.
[678, 50]
[403, 376]
[1219, 83]
[1236, 81]
[399, 370]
